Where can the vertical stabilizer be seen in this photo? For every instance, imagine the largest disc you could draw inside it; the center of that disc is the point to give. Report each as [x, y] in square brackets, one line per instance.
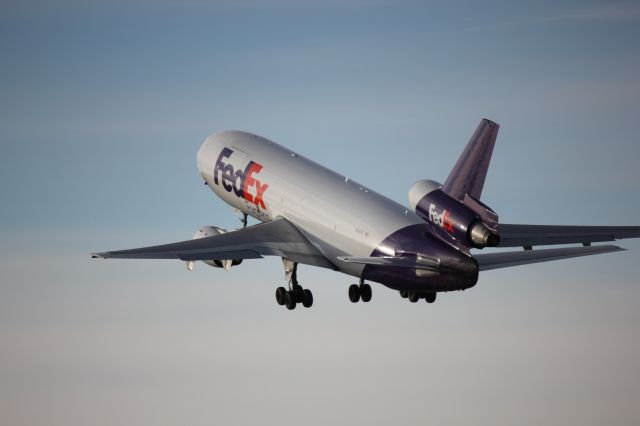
[469, 173]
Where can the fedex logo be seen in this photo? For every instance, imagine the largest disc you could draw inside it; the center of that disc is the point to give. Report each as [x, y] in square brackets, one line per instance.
[239, 181]
[443, 219]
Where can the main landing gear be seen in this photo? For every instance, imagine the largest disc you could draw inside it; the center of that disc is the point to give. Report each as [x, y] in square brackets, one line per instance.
[413, 296]
[359, 292]
[296, 294]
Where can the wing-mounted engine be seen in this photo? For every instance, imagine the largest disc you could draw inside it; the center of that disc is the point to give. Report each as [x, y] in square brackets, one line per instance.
[208, 231]
[470, 223]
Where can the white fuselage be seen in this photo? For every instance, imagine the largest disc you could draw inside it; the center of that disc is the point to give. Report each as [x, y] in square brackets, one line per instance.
[267, 181]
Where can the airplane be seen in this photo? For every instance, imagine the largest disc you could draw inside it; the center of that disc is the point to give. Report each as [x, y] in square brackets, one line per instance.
[314, 216]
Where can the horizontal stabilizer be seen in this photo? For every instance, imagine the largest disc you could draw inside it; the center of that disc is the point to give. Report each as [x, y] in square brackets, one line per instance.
[540, 235]
[276, 238]
[490, 261]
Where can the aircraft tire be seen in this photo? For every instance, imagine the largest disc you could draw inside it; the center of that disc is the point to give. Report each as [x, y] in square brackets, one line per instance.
[430, 297]
[307, 301]
[413, 297]
[365, 293]
[290, 301]
[280, 295]
[404, 294]
[354, 293]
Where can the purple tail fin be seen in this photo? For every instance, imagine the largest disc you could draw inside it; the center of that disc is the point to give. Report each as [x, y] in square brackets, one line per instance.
[469, 173]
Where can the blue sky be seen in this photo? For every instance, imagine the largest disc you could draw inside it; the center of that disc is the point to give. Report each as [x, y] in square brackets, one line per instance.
[103, 106]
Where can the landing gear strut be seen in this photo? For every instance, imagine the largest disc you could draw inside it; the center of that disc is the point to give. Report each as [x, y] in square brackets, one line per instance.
[296, 294]
[359, 292]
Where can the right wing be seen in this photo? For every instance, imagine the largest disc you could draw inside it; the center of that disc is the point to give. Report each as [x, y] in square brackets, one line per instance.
[276, 238]
[488, 261]
[538, 235]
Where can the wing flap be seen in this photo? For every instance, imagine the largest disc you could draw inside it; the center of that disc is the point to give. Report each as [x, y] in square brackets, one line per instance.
[491, 261]
[220, 255]
[276, 238]
[512, 235]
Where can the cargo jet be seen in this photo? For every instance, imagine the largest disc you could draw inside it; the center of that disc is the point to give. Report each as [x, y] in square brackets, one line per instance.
[313, 216]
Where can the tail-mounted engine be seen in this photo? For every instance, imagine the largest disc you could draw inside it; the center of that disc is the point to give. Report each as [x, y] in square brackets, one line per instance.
[208, 231]
[457, 219]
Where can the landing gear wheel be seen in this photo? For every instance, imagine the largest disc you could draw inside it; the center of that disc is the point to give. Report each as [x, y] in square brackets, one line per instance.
[280, 293]
[365, 292]
[354, 293]
[404, 294]
[307, 300]
[430, 297]
[413, 297]
[290, 300]
[296, 293]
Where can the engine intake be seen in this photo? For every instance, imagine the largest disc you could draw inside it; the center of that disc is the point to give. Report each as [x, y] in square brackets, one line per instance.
[458, 221]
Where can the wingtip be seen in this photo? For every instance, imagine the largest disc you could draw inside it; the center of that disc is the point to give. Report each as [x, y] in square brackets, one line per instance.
[98, 255]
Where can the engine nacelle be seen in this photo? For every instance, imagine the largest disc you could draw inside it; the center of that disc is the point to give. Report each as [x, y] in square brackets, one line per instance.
[208, 231]
[459, 221]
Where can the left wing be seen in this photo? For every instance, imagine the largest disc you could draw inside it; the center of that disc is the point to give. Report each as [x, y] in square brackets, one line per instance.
[537, 235]
[276, 238]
